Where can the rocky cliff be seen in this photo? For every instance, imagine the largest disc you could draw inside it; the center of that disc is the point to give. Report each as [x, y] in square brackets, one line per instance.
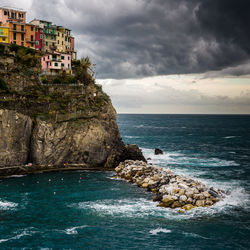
[65, 120]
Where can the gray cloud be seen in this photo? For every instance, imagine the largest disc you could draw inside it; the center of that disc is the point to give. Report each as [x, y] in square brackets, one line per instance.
[138, 38]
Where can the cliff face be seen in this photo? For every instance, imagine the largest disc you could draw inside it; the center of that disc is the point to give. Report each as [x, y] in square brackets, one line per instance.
[55, 123]
[15, 135]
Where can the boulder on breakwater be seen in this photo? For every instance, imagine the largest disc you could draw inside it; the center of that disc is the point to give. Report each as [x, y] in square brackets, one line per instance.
[172, 190]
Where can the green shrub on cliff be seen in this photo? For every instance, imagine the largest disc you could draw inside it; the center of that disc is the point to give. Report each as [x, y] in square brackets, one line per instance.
[1, 49]
[3, 85]
[83, 70]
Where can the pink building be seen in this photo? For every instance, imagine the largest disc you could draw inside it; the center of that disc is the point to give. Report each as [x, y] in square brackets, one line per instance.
[12, 15]
[56, 62]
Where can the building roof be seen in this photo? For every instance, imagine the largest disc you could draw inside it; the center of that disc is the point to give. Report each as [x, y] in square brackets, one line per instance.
[40, 20]
[12, 8]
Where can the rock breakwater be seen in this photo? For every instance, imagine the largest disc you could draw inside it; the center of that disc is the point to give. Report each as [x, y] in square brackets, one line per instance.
[172, 190]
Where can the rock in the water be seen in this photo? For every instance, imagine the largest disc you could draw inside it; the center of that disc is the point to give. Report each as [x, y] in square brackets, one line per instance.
[133, 152]
[158, 151]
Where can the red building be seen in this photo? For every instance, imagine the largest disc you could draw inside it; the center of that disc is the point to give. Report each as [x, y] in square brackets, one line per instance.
[39, 38]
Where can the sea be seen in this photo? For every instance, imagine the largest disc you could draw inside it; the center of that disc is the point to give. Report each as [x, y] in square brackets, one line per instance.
[91, 210]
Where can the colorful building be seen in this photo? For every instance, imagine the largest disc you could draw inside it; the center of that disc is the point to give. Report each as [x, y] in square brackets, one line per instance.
[72, 48]
[17, 33]
[39, 38]
[4, 33]
[49, 34]
[56, 62]
[60, 39]
[12, 15]
[30, 36]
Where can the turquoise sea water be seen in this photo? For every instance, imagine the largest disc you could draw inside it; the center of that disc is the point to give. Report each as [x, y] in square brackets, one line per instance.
[89, 210]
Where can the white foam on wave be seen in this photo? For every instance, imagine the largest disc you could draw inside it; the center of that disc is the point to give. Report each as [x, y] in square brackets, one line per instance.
[132, 137]
[159, 230]
[7, 205]
[193, 235]
[73, 230]
[15, 176]
[20, 234]
[230, 137]
[121, 208]
[134, 208]
[177, 158]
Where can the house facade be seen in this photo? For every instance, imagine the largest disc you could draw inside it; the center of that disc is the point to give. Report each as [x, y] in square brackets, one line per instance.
[56, 62]
[12, 15]
[55, 41]
[4, 33]
[39, 38]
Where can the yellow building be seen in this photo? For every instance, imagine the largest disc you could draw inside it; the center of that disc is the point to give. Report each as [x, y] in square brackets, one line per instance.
[4, 33]
[60, 43]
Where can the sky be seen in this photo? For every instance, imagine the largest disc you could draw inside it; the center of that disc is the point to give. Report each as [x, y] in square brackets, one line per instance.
[161, 56]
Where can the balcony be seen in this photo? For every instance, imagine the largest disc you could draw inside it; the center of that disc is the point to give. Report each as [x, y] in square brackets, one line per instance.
[53, 47]
[30, 41]
[18, 31]
[19, 20]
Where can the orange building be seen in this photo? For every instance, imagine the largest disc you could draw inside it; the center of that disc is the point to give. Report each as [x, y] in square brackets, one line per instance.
[30, 40]
[22, 34]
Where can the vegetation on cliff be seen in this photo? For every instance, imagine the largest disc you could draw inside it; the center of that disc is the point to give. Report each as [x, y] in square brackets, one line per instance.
[47, 97]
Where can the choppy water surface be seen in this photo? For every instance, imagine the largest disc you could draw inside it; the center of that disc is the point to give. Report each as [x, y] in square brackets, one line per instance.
[89, 210]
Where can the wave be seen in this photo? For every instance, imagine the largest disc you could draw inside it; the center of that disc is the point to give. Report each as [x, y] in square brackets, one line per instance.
[177, 158]
[230, 137]
[159, 230]
[73, 230]
[132, 137]
[133, 208]
[24, 232]
[193, 235]
[7, 205]
[15, 176]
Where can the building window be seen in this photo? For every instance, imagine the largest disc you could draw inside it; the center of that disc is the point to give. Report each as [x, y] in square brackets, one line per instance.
[36, 29]
[37, 43]
[14, 42]
[56, 64]
[44, 59]
[14, 36]
[68, 58]
[58, 42]
[62, 64]
[48, 57]
[46, 36]
[3, 39]
[5, 13]
[41, 36]
[22, 37]
[22, 43]
[22, 27]
[62, 43]
[53, 44]
[31, 37]
[50, 64]
[46, 43]
[14, 26]
[62, 57]
[31, 28]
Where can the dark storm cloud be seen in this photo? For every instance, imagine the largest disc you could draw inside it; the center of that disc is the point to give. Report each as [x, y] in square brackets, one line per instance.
[138, 38]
